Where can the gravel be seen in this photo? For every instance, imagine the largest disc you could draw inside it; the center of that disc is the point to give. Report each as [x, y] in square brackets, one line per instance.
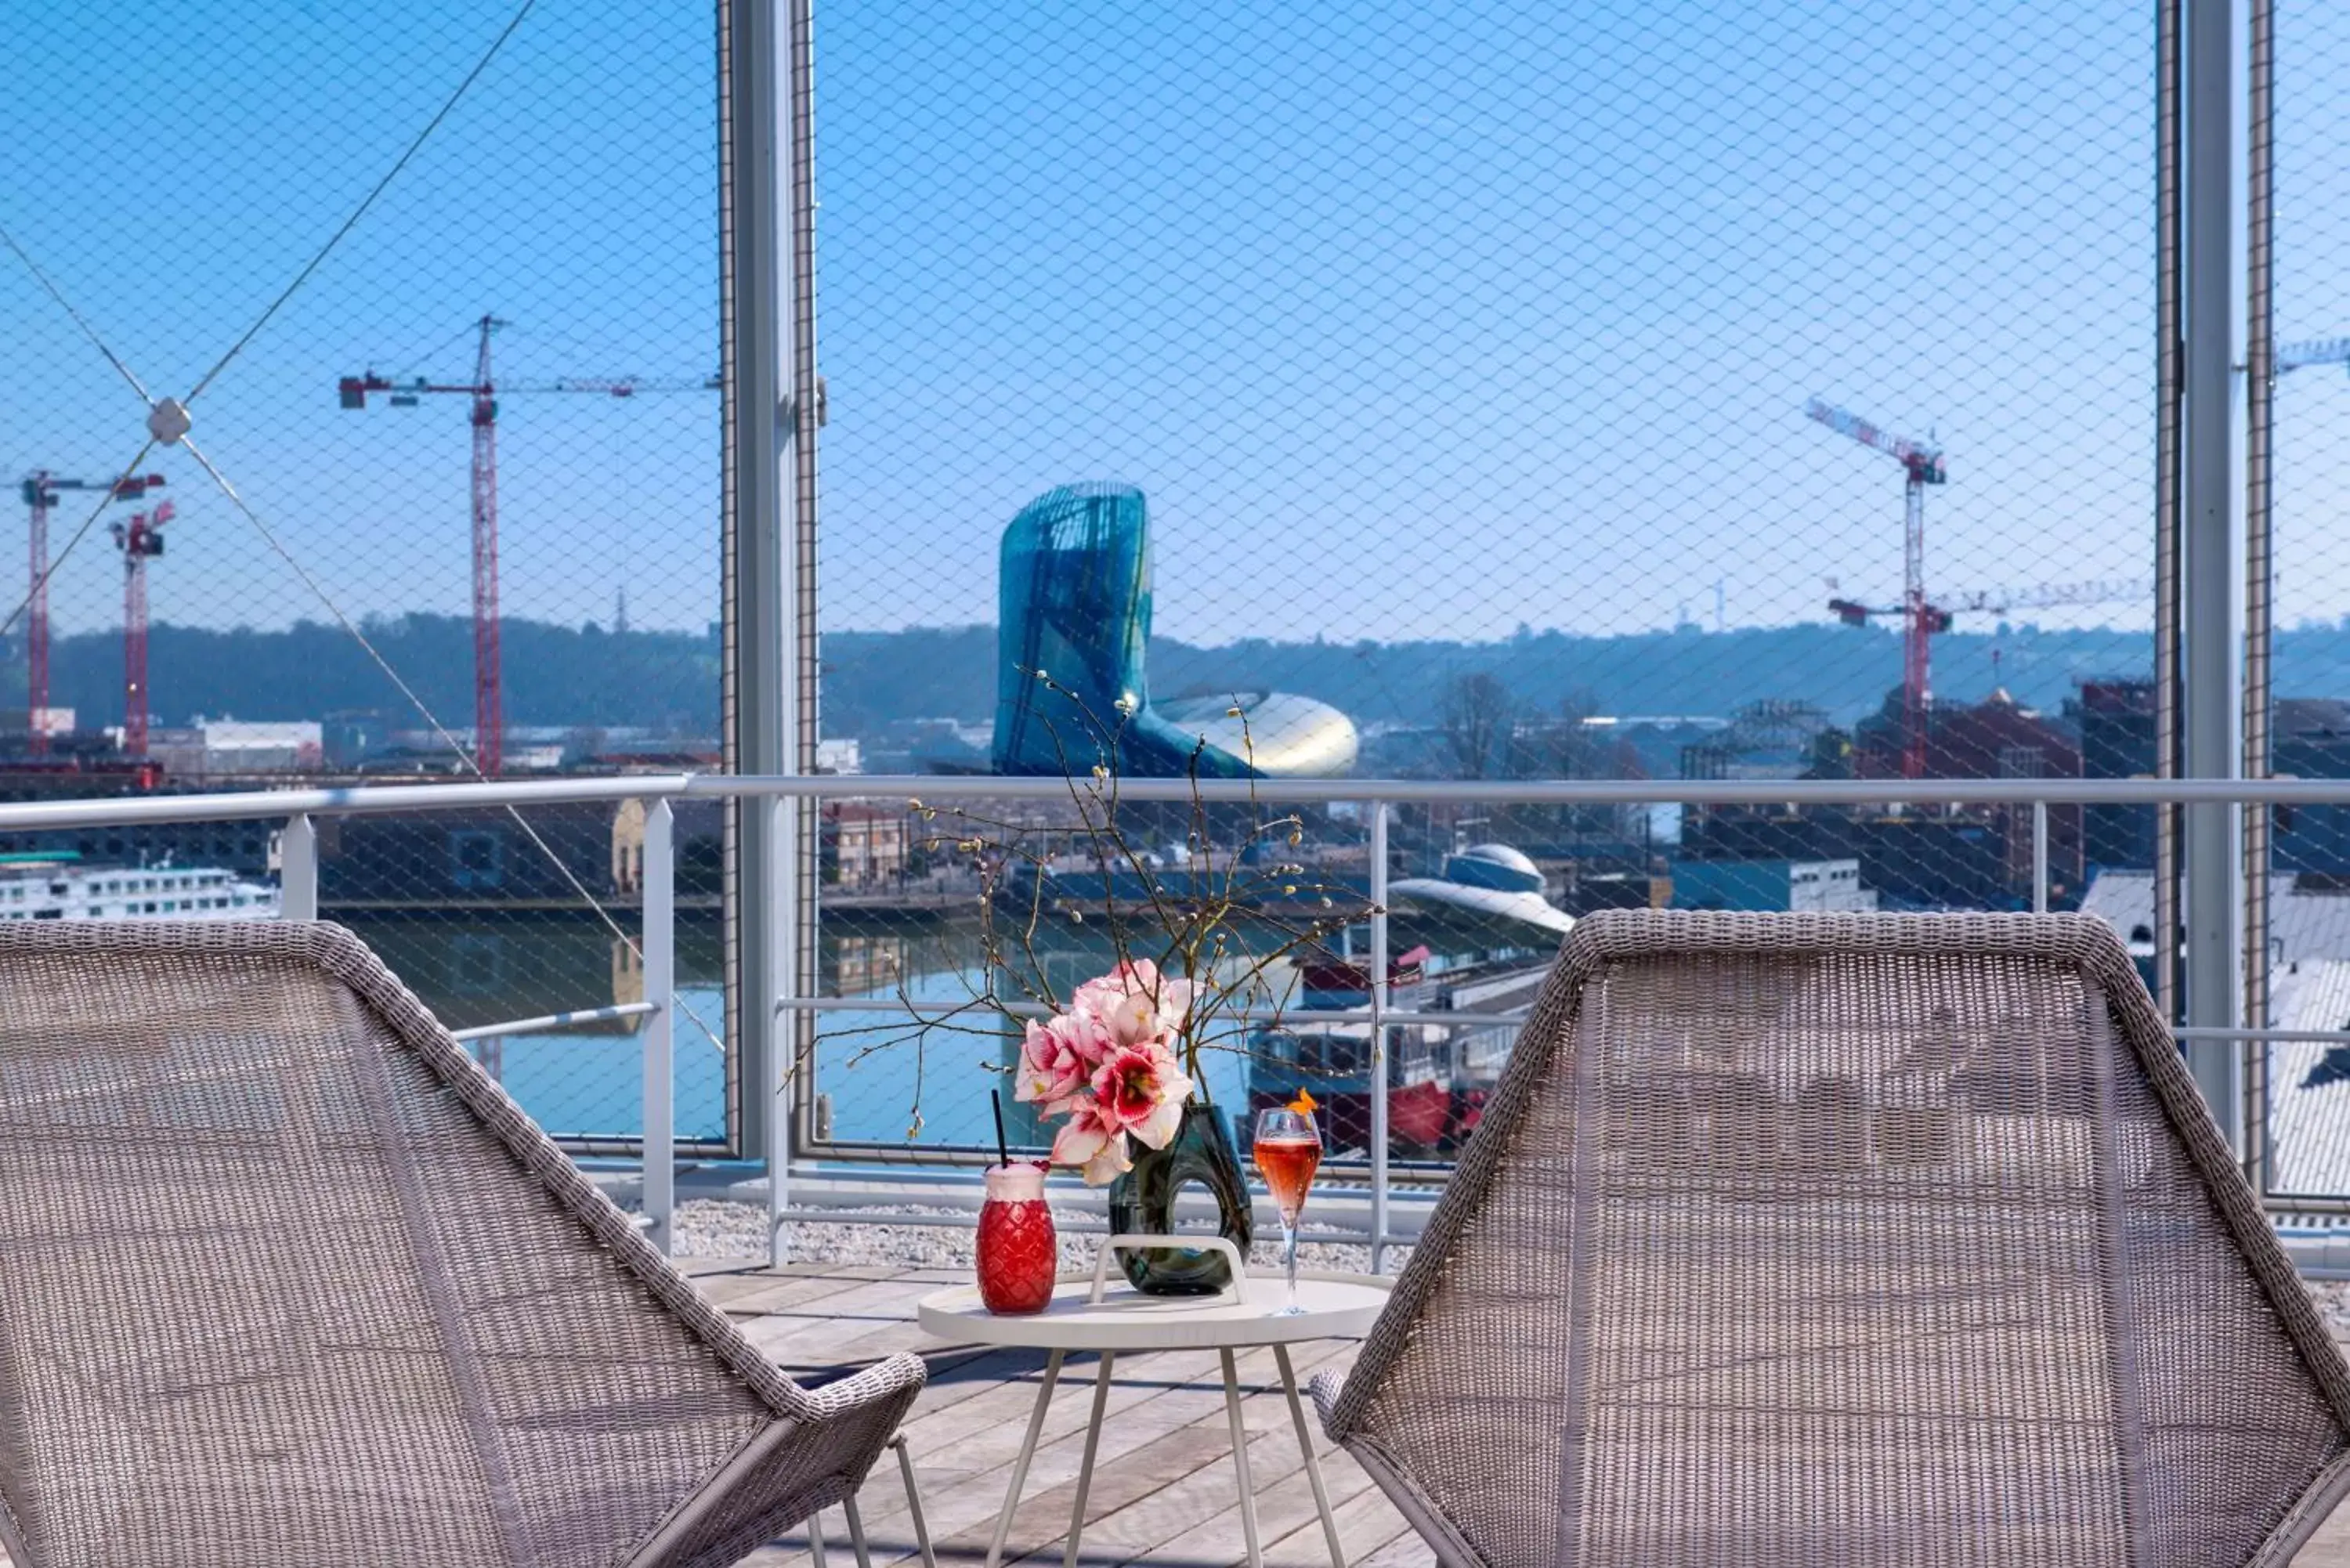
[716, 1228]
[2332, 1298]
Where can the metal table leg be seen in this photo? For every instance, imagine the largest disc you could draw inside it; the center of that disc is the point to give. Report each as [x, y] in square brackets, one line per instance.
[1239, 1459]
[1313, 1465]
[857, 1532]
[914, 1501]
[1086, 1467]
[1027, 1452]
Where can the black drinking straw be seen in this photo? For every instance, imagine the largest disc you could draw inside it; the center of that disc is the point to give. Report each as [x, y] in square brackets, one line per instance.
[995, 1098]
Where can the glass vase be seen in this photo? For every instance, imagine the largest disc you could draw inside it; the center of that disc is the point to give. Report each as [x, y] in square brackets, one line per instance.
[1142, 1202]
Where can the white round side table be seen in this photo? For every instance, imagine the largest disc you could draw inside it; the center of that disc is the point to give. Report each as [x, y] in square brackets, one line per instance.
[1088, 1313]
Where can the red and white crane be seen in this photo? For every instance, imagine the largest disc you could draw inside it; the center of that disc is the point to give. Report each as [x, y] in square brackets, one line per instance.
[140, 540]
[1921, 465]
[2314, 351]
[40, 490]
[489, 700]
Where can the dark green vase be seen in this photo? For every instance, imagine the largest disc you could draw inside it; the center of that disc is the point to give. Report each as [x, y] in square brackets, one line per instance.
[1142, 1202]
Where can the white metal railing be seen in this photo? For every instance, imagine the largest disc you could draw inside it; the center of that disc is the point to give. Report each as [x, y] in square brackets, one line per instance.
[2214, 1051]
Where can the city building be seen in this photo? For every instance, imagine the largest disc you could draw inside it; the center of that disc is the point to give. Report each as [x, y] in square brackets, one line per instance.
[1808, 886]
[863, 846]
[217, 746]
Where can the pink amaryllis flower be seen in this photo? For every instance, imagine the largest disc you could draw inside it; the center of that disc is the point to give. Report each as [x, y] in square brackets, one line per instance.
[1140, 1004]
[1088, 1140]
[1058, 1058]
[1140, 1090]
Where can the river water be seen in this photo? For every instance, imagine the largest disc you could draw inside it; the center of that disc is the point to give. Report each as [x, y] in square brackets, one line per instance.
[880, 1074]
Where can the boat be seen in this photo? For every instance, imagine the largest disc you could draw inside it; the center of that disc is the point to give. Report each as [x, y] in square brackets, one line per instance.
[61, 886]
[1437, 1076]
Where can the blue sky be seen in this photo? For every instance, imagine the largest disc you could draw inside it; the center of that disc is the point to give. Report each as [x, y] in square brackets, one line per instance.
[1410, 319]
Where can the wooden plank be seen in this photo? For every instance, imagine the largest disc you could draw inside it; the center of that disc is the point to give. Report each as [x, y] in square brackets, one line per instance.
[964, 1481]
[1209, 1528]
[1367, 1522]
[1132, 1531]
[1138, 1414]
[1128, 1480]
[1406, 1550]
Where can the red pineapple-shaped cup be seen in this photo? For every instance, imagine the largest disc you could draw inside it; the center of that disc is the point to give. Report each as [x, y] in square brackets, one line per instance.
[1018, 1253]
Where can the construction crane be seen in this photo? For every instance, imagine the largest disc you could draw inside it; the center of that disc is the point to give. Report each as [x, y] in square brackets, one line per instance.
[140, 540]
[2314, 351]
[489, 710]
[41, 489]
[1921, 465]
[1936, 619]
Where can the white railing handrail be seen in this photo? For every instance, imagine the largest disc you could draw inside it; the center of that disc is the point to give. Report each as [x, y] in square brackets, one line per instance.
[297, 806]
[369, 800]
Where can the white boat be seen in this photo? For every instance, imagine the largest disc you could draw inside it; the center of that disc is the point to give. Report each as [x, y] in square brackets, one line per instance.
[63, 886]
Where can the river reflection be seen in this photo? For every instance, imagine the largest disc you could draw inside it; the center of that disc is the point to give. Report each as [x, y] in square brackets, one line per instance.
[873, 1070]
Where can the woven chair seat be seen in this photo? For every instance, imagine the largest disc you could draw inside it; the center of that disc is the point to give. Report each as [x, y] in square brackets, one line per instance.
[1899, 1240]
[285, 1279]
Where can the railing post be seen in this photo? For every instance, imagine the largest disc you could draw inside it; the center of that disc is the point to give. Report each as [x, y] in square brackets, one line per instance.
[2209, 563]
[659, 939]
[2260, 563]
[1378, 1065]
[779, 1083]
[2039, 856]
[298, 869]
[755, 676]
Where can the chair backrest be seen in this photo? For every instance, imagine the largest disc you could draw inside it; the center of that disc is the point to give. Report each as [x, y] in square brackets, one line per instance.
[284, 1278]
[1898, 1240]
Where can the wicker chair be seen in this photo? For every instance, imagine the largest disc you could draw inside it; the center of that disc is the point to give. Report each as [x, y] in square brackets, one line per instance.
[1849, 1240]
[286, 1279]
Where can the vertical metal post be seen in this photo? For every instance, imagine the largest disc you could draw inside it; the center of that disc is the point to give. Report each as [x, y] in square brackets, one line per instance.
[2169, 368]
[782, 1088]
[2210, 561]
[754, 681]
[298, 869]
[2039, 856]
[1380, 999]
[799, 822]
[659, 936]
[2260, 431]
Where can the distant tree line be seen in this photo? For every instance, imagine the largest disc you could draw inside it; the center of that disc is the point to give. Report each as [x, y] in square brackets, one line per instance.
[668, 680]
[553, 675]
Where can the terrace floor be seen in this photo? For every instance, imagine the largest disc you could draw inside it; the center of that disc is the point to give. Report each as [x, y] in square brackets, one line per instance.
[1164, 1480]
[1163, 1487]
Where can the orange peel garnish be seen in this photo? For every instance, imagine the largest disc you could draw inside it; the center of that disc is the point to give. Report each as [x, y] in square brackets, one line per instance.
[1302, 1104]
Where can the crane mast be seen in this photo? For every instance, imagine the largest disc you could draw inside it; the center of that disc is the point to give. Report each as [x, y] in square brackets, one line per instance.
[1921, 465]
[489, 698]
[140, 540]
[40, 490]
[489, 689]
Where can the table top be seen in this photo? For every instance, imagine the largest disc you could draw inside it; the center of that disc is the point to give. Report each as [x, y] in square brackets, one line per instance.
[1337, 1306]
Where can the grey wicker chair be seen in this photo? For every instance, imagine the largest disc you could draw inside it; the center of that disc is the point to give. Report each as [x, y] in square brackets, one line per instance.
[1848, 1240]
[286, 1279]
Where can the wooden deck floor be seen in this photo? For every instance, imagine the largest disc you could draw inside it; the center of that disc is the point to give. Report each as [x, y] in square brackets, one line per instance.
[1164, 1490]
[1163, 1482]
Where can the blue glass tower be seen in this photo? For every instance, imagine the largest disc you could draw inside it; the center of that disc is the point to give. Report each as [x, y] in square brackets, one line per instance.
[1074, 602]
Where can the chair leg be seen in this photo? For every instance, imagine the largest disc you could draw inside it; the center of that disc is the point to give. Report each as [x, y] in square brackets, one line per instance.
[857, 1532]
[914, 1501]
[816, 1539]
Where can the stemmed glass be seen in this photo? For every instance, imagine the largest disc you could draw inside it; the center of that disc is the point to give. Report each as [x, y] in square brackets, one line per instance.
[1287, 1151]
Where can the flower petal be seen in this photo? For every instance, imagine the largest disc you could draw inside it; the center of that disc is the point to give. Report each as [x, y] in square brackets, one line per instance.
[1155, 1129]
[1081, 1138]
[1110, 1164]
